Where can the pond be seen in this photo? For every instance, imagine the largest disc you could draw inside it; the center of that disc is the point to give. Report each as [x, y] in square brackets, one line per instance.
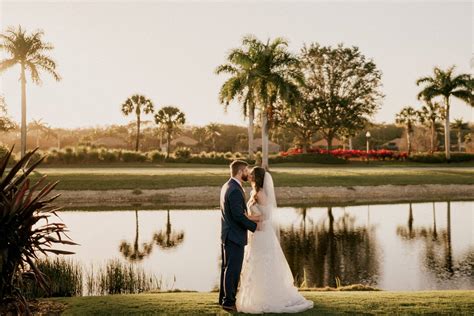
[420, 246]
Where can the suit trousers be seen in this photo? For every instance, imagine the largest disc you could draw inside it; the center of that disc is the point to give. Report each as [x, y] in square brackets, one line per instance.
[232, 259]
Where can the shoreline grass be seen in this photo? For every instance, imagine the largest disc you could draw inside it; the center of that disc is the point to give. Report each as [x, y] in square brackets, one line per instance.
[89, 178]
[458, 302]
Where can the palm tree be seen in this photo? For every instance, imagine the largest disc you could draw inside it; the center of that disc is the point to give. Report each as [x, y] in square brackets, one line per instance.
[199, 133]
[270, 77]
[459, 126]
[240, 86]
[139, 104]
[445, 84]
[169, 118]
[429, 116]
[407, 117]
[29, 51]
[213, 131]
[39, 127]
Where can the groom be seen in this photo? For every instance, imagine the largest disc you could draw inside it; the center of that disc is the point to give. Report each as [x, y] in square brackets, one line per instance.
[234, 227]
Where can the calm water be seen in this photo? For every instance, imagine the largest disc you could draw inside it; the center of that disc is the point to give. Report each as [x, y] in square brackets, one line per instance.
[393, 247]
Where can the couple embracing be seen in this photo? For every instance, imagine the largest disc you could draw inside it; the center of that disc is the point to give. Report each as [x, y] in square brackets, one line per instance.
[255, 278]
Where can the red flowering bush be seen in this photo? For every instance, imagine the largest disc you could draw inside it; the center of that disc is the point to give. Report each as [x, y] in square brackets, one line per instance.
[381, 154]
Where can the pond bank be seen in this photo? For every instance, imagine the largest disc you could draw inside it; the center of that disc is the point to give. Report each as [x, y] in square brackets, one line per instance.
[208, 196]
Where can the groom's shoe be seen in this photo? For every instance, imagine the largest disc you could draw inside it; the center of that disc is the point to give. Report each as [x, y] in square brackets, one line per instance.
[229, 308]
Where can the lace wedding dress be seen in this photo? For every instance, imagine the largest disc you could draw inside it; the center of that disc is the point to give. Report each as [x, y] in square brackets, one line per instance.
[266, 282]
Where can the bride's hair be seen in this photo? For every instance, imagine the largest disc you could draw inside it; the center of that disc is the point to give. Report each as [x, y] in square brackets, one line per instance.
[258, 174]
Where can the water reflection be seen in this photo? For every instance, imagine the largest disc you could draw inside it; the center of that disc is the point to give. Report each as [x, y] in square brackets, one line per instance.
[132, 251]
[168, 239]
[417, 246]
[165, 239]
[438, 250]
[332, 248]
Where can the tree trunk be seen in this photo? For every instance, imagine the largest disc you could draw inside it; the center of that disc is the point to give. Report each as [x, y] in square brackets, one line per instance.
[432, 137]
[59, 142]
[168, 141]
[350, 143]
[264, 140]
[250, 132]
[138, 134]
[447, 141]
[459, 140]
[23, 111]
[409, 142]
[329, 141]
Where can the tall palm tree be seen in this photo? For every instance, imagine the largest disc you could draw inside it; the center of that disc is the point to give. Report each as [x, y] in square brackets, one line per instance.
[240, 86]
[139, 104]
[169, 118]
[270, 76]
[213, 131]
[29, 51]
[430, 115]
[407, 117]
[445, 84]
[459, 126]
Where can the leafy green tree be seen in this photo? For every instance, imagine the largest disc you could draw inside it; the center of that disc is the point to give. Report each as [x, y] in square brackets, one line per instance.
[6, 123]
[407, 117]
[445, 84]
[30, 52]
[169, 118]
[271, 76]
[139, 104]
[459, 126]
[302, 120]
[343, 86]
[429, 116]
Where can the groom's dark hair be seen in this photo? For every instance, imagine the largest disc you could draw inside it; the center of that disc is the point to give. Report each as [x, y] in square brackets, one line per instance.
[236, 166]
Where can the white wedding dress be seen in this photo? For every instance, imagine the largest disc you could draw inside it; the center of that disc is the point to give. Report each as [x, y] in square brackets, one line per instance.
[266, 281]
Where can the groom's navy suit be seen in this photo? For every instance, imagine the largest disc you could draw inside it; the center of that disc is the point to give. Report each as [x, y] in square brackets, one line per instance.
[234, 238]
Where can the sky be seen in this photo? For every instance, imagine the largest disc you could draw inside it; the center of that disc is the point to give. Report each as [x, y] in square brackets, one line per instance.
[106, 51]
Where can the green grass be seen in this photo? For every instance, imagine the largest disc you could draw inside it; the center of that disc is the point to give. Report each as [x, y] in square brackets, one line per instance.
[111, 178]
[325, 303]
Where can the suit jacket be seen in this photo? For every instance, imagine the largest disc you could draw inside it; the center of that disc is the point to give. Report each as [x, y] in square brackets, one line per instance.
[234, 223]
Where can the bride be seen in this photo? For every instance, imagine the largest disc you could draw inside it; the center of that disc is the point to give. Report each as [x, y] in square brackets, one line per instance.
[266, 283]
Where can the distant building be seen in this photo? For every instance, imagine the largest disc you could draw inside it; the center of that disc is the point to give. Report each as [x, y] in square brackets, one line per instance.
[184, 141]
[110, 142]
[324, 144]
[272, 147]
[394, 144]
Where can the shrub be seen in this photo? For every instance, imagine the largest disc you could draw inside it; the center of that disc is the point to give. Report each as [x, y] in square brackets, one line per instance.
[182, 153]
[26, 227]
[108, 156]
[63, 276]
[441, 158]
[156, 156]
[228, 155]
[133, 156]
[308, 158]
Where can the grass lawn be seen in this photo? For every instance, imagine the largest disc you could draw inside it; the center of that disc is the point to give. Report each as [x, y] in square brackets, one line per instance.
[325, 303]
[159, 177]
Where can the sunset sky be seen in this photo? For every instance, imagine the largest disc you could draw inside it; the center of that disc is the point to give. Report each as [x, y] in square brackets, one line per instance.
[107, 51]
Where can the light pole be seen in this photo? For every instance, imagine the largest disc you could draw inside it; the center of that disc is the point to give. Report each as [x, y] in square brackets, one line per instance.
[367, 136]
